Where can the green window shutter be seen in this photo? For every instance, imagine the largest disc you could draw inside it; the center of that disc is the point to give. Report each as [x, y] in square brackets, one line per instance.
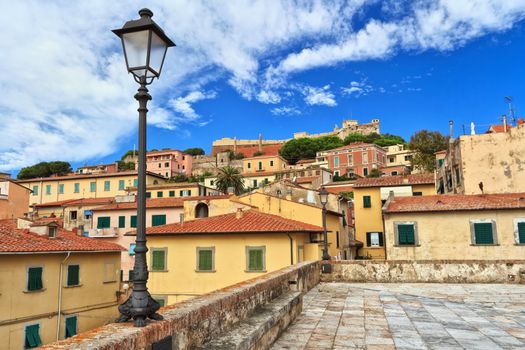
[205, 260]
[48, 189]
[148, 194]
[158, 263]
[92, 186]
[157, 220]
[483, 233]
[106, 185]
[135, 182]
[521, 232]
[172, 194]
[71, 326]
[161, 302]
[61, 189]
[32, 336]
[34, 278]
[367, 202]
[159, 194]
[121, 185]
[255, 260]
[35, 190]
[189, 192]
[103, 222]
[77, 187]
[131, 275]
[133, 221]
[73, 272]
[121, 221]
[440, 163]
[406, 234]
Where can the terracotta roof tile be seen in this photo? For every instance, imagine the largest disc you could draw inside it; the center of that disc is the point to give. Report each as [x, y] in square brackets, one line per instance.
[14, 240]
[456, 202]
[53, 204]
[251, 221]
[385, 181]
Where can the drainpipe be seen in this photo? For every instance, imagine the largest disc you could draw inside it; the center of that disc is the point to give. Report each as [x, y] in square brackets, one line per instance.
[60, 295]
[291, 248]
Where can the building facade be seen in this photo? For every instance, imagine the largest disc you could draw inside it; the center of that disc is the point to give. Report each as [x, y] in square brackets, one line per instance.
[13, 198]
[452, 227]
[369, 197]
[169, 163]
[356, 159]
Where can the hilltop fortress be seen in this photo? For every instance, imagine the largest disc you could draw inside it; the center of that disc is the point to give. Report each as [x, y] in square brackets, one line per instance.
[249, 147]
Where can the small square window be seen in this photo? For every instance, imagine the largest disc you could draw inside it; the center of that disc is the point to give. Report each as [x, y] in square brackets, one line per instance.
[160, 194]
[255, 259]
[172, 193]
[374, 239]
[205, 259]
[406, 233]
[483, 232]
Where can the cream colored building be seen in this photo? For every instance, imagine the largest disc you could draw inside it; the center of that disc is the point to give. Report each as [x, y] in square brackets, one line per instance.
[484, 163]
[75, 186]
[53, 283]
[456, 227]
[176, 190]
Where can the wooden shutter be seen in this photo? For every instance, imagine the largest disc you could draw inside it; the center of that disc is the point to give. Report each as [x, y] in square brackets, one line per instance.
[73, 275]
[103, 222]
[381, 241]
[367, 202]
[255, 260]
[32, 336]
[34, 280]
[172, 194]
[205, 260]
[521, 232]
[368, 239]
[483, 233]
[406, 234]
[157, 220]
[158, 260]
[121, 221]
[133, 221]
[71, 326]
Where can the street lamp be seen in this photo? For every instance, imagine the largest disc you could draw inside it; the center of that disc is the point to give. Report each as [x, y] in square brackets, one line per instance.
[323, 195]
[145, 46]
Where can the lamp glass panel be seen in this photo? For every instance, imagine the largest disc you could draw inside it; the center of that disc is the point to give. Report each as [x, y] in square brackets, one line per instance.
[158, 48]
[136, 46]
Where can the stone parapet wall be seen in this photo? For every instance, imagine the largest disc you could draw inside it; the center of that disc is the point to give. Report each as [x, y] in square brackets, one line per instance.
[196, 321]
[428, 271]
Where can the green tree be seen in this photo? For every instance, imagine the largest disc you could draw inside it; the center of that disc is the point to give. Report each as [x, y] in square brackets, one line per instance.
[195, 151]
[229, 177]
[258, 153]
[425, 143]
[45, 169]
[307, 148]
[382, 140]
[179, 178]
[239, 156]
[129, 153]
[125, 165]
[374, 173]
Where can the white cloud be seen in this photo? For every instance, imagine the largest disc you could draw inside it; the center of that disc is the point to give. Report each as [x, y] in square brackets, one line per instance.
[285, 111]
[184, 105]
[268, 97]
[357, 89]
[319, 96]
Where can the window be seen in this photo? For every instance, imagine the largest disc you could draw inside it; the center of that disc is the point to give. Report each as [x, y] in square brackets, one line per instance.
[271, 162]
[71, 326]
[260, 165]
[405, 233]
[167, 175]
[212, 183]
[458, 175]
[106, 185]
[73, 215]
[519, 230]
[110, 272]
[157, 220]
[350, 159]
[249, 165]
[365, 171]
[48, 189]
[131, 250]
[254, 183]
[131, 275]
[367, 202]
[133, 221]
[440, 163]
[159, 194]
[172, 194]
[34, 278]
[336, 173]
[76, 187]
[336, 161]
[374, 239]
[255, 259]
[73, 275]
[52, 231]
[337, 238]
[391, 159]
[205, 259]
[61, 189]
[365, 157]
[394, 173]
[160, 165]
[408, 158]
[32, 338]
[483, 231]
[166, 165]
[160, 299]
[201, 210]
[148, 194]
[135, 182]
[417, 193]
[158, 259]
[121, 185]
[92, 186]
[121, 221]
[103, 222]
[35, 190]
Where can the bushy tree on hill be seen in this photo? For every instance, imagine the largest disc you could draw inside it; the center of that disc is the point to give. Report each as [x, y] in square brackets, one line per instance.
[306, 147]
[425, 143]
[194, 151]
[382, 140]
[44, 169]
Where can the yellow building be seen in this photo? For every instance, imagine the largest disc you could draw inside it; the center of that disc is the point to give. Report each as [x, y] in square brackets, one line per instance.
[53, 283]
[261, 170]
[77, 186]
[202, 255]
[176, 189]
[310, 213]
[369, 196]
[456, 227]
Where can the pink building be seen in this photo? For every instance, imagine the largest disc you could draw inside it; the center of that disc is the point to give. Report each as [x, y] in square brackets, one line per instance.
[355, 159]
[169, 163]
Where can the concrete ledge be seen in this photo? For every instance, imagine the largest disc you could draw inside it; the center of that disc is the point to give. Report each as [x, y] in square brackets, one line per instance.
[199, 320]
[427, 271]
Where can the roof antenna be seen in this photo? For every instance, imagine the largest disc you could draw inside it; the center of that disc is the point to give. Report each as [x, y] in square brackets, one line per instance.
[512, 120]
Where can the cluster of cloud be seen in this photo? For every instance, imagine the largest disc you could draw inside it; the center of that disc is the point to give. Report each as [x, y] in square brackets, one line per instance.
[65, 91]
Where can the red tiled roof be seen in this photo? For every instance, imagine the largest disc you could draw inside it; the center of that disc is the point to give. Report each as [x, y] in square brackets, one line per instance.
[352, 145]
[45, 221]
[456, 202]
[251, 221]
[306, 179]
[54, 204]
[385, 181]
[14, 240]
[305, 161]
[169, 202]
[90, 201]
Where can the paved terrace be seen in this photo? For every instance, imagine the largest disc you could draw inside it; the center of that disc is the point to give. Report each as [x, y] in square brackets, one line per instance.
[409, 316]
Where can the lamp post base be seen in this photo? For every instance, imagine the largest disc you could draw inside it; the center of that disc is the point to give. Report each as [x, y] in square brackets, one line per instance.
[139, 309]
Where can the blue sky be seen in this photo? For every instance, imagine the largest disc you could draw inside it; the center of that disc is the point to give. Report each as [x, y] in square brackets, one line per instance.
[246, 68]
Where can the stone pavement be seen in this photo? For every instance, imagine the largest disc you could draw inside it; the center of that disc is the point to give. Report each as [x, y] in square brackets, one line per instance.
[409, 316]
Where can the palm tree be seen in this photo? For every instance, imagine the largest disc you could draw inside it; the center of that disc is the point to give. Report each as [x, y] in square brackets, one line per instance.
[229, 177]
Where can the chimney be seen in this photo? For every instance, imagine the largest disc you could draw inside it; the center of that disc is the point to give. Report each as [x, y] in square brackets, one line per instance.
[260, 142]
[504, 123]
[239, 214]
[181, 218]
[451, 124]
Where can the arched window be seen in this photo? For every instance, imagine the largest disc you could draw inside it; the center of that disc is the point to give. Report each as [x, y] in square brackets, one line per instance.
[201, 210]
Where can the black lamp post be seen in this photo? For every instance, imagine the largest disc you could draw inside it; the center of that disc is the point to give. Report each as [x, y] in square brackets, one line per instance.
[145, 46]
[323, 195]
